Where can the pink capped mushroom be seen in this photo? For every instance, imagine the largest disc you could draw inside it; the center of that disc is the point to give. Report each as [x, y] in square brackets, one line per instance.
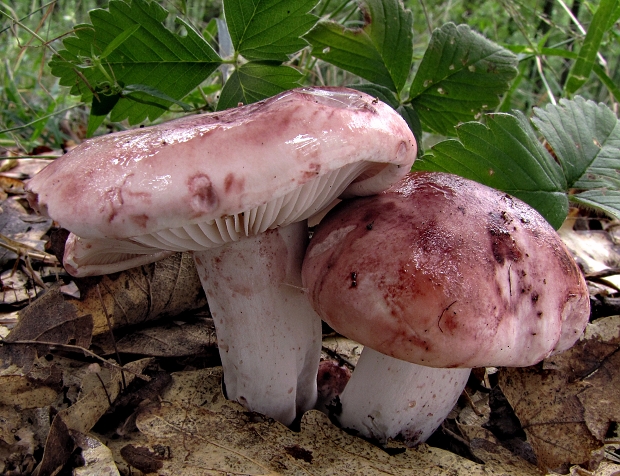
[235, 188]
[435, 276]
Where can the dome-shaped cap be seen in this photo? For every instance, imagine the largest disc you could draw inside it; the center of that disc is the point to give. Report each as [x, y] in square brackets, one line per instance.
[202, 180]
[444, 272]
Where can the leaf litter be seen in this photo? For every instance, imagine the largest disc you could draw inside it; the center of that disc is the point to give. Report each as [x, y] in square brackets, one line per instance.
[67, 400]
[204, 433]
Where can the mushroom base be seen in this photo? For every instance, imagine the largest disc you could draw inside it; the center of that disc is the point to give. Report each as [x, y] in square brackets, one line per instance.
[269, 336]
[390, 398]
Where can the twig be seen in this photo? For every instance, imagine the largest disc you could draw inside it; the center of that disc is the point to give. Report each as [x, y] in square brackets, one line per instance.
[544, 80]
[605, 273]
[338, 357]
[22, 249]
[428, 20]
[76, 348]
[471, 403]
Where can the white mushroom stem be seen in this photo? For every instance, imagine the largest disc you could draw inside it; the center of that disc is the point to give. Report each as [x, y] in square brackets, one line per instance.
[269, 336]
[390, 398]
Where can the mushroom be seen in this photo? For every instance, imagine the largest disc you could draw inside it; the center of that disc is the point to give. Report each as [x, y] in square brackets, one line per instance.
[235, 188]
[435, 276]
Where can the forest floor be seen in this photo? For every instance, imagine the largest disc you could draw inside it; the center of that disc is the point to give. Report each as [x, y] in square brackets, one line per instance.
[120, 375]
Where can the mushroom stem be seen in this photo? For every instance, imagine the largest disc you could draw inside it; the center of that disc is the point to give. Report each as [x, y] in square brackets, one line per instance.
[390, 398]
[269, 336]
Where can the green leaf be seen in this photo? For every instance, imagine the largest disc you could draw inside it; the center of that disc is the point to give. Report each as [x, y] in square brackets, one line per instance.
[210, 32]
[103, 102]
[607, 81]
[580, 72]
[119, 40]
[94, 122]
[462, 73]
[506, 155]
[268, 29]
[585, 137]
[155, 93]
[155, 58]
[413, 121]
[254, 81]
[381, 51]
[606, 200]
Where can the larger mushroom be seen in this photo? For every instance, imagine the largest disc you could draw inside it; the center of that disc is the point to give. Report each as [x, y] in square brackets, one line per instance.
[435, 276]
[235, 187]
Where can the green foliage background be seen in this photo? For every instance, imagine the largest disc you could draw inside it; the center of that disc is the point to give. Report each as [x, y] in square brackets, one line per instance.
[457, 71]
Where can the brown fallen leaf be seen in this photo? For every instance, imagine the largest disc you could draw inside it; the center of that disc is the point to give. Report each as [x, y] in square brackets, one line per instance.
[175, 339]
[594, 251]
[17, 443]
[566, 403]
[96, 398]
[595, 361]
[34, 388]
[11, 184]
[165, 288]
[17, 288]
[342, 349]
[97, 458]
[52, 319]
[22, 226]
[196, 431]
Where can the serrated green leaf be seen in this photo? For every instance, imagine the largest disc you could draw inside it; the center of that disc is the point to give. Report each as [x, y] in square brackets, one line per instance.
[585, 137]
[581, 69]
[462, 73]
[381, 51]
[410, 116]
[155, 57]
[506, 155]
[103, 103]
[607, 201]
[155, 93]
[119, 40]
[268, 29]
[252, 82]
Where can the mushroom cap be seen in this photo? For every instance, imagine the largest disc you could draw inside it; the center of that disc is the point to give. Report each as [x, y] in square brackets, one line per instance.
[226, 166]
[444, 272]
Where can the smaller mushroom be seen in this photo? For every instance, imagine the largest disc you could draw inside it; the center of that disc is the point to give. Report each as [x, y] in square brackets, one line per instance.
[435, 276]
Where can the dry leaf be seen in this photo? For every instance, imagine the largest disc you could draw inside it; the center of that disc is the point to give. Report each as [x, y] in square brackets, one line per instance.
[343, 349]
[594, 250]
[105, 385]
[566, 404]
[17, 441]
[51, 319]
[11, 184]
[196, 431]
[20, 225]
[171, 340]
[595, 362]
[18, 288]
[98, 459]
[166, 288]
